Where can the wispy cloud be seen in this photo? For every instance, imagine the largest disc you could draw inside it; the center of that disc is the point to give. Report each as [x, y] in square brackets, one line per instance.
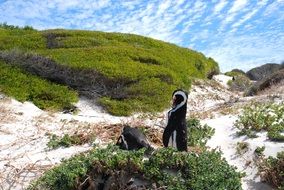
[238, 5]
[233, 32]
[252, 50]
[219, 7]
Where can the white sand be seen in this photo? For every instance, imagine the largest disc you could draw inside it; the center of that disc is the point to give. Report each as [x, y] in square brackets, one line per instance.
[222, 79]
[226, 140]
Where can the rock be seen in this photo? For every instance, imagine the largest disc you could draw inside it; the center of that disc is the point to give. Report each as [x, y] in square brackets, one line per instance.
[263, 71]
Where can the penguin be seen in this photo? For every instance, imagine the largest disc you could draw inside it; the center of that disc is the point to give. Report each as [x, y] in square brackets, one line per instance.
[175, 133]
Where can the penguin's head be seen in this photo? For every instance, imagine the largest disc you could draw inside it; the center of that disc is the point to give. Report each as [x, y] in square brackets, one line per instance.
[179, 98]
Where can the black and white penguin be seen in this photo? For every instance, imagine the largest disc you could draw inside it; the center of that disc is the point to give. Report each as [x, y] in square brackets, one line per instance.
[175, 133]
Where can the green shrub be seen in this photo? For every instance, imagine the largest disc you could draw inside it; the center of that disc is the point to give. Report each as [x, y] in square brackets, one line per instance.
[26, 87]
[272, 171]
[275, 134]
[240, 83]
[242, 147]
[65, 141]
[259, 150]
[248, 132]
[165, 168]
[68, 140]
[262, 117]
[197, 134]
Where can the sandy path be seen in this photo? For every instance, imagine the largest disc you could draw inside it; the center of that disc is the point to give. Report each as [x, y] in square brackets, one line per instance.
[226, 140]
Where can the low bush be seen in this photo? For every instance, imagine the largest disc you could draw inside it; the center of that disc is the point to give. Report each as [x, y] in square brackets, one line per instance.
[259, 150]
[272, 171]
[242, 147]
[26, 87]
[197, 134]
[262, 117]
[240, 83]
[69, 140]
[113, 168]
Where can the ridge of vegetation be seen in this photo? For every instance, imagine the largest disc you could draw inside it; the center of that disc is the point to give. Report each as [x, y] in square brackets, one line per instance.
[127, 72]
[26, 87]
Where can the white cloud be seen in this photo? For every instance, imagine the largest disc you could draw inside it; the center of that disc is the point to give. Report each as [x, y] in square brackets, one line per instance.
[130, 5]
[199, 6]
[163, 7]
[250, 14]
[246, 52]
[219, 7]
[238, 5]
[245, 18]
[274, 7]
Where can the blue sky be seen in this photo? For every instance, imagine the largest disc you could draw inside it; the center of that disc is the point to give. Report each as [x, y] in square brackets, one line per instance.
[236, 33]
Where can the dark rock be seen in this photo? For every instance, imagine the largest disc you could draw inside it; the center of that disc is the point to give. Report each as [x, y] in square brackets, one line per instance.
[267, 82]
[263, 71]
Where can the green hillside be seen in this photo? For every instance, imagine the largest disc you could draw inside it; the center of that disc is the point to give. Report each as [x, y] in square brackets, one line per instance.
[127, 73]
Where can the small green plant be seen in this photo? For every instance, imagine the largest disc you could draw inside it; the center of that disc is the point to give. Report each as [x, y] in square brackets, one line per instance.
[262, 117]
[249, 133]
[242, 147]
[259, 150]
[69, 140]
[197, 134]
[55, 141]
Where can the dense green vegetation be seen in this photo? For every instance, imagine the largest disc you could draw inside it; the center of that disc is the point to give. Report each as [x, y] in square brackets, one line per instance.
[133, 73]
[262, 117]
[165, 168]
[26, 87]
